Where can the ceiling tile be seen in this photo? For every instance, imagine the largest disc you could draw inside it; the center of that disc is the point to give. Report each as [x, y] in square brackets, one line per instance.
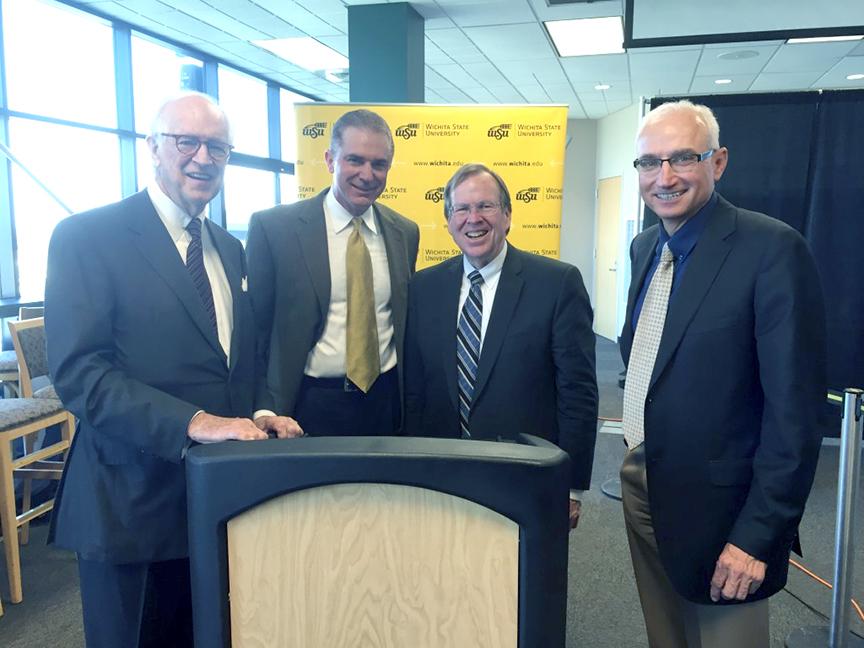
[522, 42]
[710, 64]
[680, 63]
[606, 68]
[783, 81]
[705, 84]
[303, 18]
[802, 57]
[489, 12]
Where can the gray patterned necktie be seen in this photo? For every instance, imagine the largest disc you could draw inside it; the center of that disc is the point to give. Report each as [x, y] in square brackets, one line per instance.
[468, 348]
[646, 342]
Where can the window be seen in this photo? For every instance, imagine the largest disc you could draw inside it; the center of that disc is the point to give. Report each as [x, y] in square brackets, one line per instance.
[80, 166]
[157, 73]
[67, 71]
[246, 191]
[244, 99]
[287, 99]
[287, 188]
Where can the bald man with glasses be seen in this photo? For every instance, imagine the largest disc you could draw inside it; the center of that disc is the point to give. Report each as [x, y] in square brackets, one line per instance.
[724, 343]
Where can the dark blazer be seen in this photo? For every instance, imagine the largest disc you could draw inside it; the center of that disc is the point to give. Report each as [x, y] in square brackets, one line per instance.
[536, 372]
[289, 281]
[134, 357]
[731, 430]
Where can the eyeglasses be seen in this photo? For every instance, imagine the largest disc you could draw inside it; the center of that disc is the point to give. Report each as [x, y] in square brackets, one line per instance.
[483, 208]
[679, 162]
[189, 145]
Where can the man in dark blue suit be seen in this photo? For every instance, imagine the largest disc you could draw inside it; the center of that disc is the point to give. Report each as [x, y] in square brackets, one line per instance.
[725, 349]
[151, 345]
[499, 340]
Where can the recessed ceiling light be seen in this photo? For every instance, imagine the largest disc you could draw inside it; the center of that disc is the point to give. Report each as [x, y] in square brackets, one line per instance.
[855, 77]
[602, 86]
[587, 36]
[722, 81]
[305, 52]
[825, 39]
[738, 55]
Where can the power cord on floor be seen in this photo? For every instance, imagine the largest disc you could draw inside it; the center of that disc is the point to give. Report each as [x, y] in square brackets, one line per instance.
[822, 581]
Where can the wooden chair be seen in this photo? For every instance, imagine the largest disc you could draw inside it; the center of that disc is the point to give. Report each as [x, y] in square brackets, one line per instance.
[22, 418]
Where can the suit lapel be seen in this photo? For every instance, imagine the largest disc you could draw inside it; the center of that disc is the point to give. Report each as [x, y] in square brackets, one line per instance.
[639, 271]
[708, 257]
[234, 272]
[312, 235]
[447, 324]
[155, 244]
[394, 244]
[506, 299]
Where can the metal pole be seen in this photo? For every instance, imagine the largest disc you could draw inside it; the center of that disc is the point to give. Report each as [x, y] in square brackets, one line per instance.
[847, 495]
[837, 635]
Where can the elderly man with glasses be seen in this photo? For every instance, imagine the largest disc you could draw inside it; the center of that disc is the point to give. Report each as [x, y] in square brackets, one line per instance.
[499, 340]
[724, 343]
[151, 344]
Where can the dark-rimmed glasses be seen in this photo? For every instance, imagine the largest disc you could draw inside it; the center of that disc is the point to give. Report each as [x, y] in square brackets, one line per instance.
[483, 208]
[679, 162]
[189, 145]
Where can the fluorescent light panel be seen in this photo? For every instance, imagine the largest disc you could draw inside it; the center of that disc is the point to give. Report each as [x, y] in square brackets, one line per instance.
[824, 39]
[305, 52]
[587, 36]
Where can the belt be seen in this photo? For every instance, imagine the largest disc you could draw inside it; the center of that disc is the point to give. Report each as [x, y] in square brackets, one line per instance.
[338, 382]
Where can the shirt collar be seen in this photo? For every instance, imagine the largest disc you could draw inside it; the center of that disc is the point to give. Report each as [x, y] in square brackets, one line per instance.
[490, 269]
[170, 213]
[682, 242]
[341, 217]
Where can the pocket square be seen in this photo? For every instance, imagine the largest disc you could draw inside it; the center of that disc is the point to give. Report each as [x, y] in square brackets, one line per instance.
[243, 284]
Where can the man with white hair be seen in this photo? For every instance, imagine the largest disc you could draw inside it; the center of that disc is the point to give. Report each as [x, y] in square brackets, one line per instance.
[724, 343]
[151, 344]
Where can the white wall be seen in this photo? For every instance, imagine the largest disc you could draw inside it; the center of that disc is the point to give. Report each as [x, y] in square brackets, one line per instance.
[615, 153]
[579, 205]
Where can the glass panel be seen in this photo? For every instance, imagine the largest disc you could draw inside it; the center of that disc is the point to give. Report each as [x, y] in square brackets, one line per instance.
[59, 62]
[157, 73]
[244, 100]
[246, 191]
[288, 188]
[82, 169]
[143, 163]
[287, 100]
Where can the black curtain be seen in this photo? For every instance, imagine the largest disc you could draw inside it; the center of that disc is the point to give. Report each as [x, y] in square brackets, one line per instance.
[799, 157]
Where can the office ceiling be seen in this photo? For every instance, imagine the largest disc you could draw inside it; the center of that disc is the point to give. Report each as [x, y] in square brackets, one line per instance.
[497, 51]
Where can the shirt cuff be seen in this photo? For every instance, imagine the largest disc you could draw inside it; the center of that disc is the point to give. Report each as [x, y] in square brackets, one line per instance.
[262, 412]
[576, 494]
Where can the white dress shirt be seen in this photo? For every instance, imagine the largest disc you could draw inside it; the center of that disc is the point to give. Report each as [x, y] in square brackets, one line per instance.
[175, 220]
[491, 273]
[327, 357]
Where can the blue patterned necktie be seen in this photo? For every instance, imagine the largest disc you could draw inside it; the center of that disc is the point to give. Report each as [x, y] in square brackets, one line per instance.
[468, 348]
[195, 265]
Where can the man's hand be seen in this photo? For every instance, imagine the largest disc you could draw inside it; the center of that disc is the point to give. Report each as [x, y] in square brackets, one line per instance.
[206, 428]
[575, 512]
[736, 575]
[284, 427]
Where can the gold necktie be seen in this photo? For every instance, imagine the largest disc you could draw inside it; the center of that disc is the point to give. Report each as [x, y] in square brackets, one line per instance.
[362, 362]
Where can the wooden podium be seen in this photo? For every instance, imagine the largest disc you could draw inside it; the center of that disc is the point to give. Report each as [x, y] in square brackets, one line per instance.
[378, 541]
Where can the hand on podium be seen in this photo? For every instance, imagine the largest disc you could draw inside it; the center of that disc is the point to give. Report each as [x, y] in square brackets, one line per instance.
[284, 427]
[207, 428]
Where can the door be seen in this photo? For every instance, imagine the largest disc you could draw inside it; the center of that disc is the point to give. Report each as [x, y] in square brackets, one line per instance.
[606, 273]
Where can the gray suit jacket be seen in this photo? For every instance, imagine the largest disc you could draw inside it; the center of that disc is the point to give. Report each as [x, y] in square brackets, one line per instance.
[289, 282]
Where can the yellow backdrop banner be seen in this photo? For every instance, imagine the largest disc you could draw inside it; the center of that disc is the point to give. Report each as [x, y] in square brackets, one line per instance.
[523, 144]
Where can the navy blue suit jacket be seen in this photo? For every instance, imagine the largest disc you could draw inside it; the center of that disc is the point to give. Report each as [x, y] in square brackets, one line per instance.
[731, 416]
[536, 373]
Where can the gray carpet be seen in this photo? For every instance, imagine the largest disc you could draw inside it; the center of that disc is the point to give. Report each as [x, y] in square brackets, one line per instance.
[603, 608]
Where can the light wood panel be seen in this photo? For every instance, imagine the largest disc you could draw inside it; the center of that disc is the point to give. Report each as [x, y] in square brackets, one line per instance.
[363, 565]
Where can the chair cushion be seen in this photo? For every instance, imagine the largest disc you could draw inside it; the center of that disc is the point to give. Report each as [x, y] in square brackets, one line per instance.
[8, 361]
[46, 392]
[18, 411]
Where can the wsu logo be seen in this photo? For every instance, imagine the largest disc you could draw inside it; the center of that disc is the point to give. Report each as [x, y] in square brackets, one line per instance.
[435, 195]
[315, 130]
[499, 132]
[528, 195]
[407, 131]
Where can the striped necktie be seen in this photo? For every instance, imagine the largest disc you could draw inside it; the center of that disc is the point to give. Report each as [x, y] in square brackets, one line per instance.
[468, 348]
[195, 266]
[646, 342]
